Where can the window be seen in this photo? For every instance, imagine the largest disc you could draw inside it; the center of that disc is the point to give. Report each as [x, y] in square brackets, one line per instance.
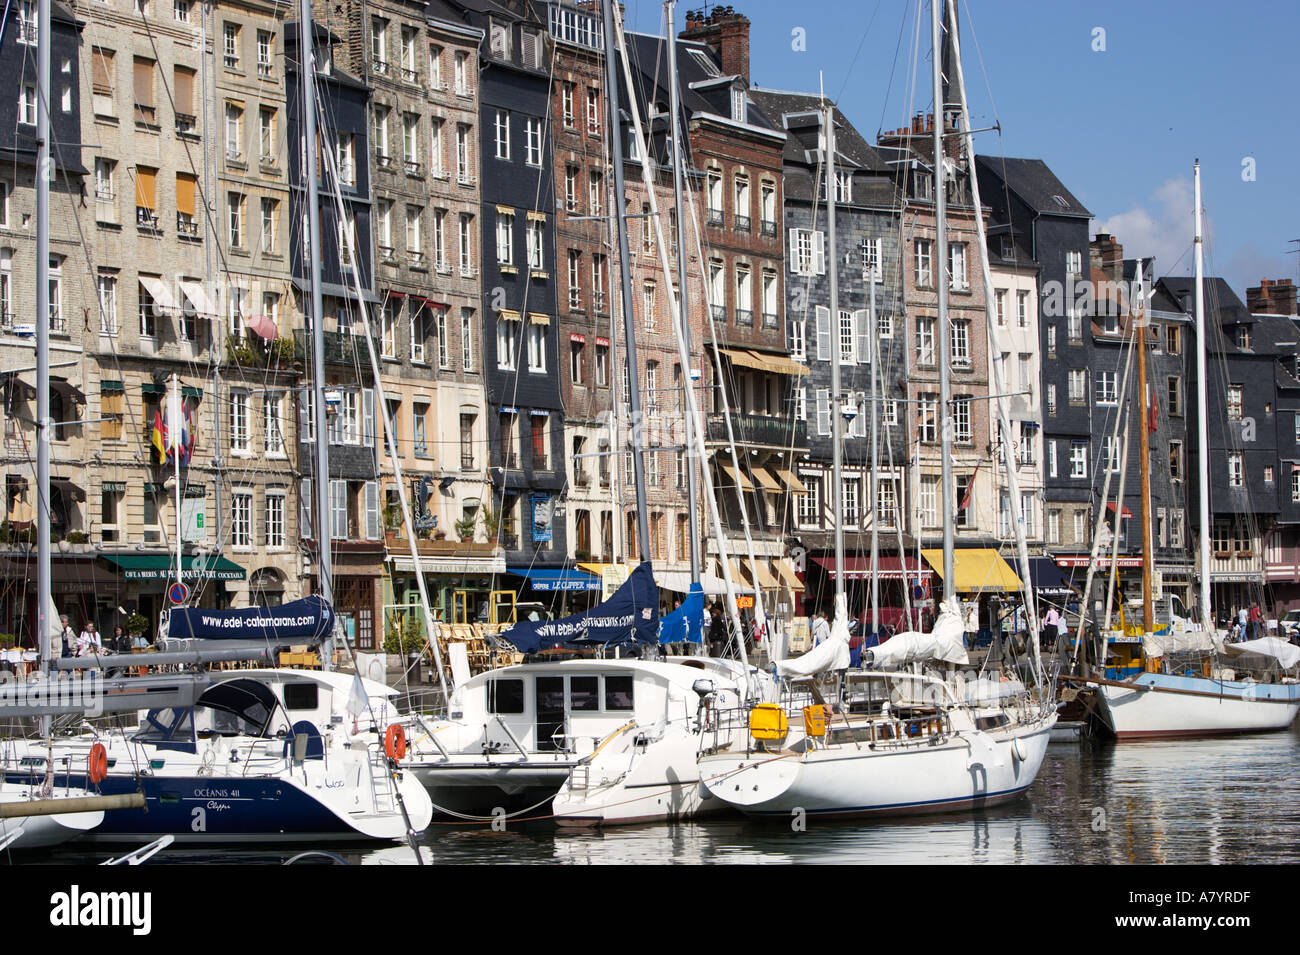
[273, 424]
[463, 174]
[239, 437]
[957, 267]
[810, 508]
[925, 328]
[1000, 306]
[602, 364]
[961, 357]
[265, 46]
[505, 237]
[537, 344]
[389, 316]
[566, 104]
[266, 136]
[930, 500]
[1174, 395]
[235, 219]
[437, 165]
[844, 185]
[147, 313]
[27, 104]
[466, 245]
[1173, 339]
[27, 22]
[848, 338]
[598, 282]
[771, 317]
[795, 340]
[1295, 484]
[414, 237]
[541, 456]
[502, 130]
[1236, 469]
[928, 417]
[1106, 387]
[849, 500]
[410, 142]
[506, 344]
[106, 286]
[887, 502]
[409, 72]
[924, 263]
[593, 110]
[270, 210]
[379, 44]
[460, 69]
[595, 192]
[241, 512]
[1078, 385]
[1268, 474]
[1078, 459]
[649, 305]
[807, 252]
[767, 208]
[536, 245]
[961, 422]
[1054, 526]
[533, 141]
[230, 45]
[1243, 337]
[872, 260]
[1022, 309]
[1080, 528]
[1234, 402]
[575, 278]
[578, 359]
[742, 206]
[419, 426]
[1175, 460]
[1051, 339]
[381, 136]
[275, 520]
[1051, 459]
[1110, 453]
[467, 339]
[1073, 263]
[744, 295]
[345, 156]
[1074, 325]
[467, 441]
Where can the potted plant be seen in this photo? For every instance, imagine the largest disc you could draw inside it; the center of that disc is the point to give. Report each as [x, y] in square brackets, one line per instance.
[137, 624]
[80, 540]
[392, 520]
[492, 523]
[7, 640]
[282, 352]
[465, 528]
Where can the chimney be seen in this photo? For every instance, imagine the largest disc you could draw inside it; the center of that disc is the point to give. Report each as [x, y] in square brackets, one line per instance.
[1107, 255]
[1272, 297]
[727, 32]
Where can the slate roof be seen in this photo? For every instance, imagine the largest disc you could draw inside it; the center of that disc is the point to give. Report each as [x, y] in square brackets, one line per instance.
[1035, 184]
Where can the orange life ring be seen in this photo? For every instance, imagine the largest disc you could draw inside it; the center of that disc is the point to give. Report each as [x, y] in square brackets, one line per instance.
[395, 742]
[97, 764]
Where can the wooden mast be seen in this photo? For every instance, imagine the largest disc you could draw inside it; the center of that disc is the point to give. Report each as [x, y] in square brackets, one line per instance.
[1144, 446]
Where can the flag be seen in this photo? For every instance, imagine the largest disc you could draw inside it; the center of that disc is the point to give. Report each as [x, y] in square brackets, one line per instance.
[159, 436]
[970, 490]
[1154, 416]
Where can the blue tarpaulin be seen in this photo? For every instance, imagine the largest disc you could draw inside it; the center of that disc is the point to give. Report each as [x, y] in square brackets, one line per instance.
[686, 623]
[630, 615]
[300, 621]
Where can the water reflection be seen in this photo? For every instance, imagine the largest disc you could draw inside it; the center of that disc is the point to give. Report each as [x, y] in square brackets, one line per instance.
[1177, 802]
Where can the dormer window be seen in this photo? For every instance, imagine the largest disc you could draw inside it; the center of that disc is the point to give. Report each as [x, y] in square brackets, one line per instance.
[922, 185]
[1243, 337]
[500, 41]
[738, 104]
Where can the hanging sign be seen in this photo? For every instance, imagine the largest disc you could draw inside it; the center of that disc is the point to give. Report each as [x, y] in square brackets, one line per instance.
[543, 508]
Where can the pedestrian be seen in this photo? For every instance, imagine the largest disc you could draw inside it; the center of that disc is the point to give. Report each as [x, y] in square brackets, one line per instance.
[1051, 619]
[1243, 621]
[821, 630]
[121, 640]
[68, 636]
[1256, 620]
[717, 632]
[89, 643]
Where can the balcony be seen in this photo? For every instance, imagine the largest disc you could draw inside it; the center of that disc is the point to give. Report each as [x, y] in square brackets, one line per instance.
[411, 76]
[719, 312]
[762, 430]
[745, 316]
[264, 68]
[715, 217]
[386, 253]
[186, 227]
[417, 259]
[771, 320]
[382, 160]
[413, 168]
[187, 125]
[341, 348]
[466, 460]
[146, 219]
[380, 67]
[146, 116]
[768, 226]
[581, 477]
[742, 223]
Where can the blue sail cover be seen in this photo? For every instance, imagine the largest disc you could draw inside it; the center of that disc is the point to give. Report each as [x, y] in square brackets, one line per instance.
[686, 623]
[630, 615]
[308, 620]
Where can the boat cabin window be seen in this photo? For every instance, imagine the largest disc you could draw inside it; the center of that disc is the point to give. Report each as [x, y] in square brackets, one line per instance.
[584, 693]
[168, 728]
[300, 696]
[505, 696]
[618, 693]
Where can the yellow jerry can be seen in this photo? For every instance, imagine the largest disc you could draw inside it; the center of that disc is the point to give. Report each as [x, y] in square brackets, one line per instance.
[815, 718]
[768, 721]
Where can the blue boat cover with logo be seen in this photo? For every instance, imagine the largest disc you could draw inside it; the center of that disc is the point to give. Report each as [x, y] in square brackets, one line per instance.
[630, 615]
[686, 623]
[308, 620]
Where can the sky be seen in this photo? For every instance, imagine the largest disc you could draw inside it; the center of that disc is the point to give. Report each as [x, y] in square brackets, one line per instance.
[1118, 98]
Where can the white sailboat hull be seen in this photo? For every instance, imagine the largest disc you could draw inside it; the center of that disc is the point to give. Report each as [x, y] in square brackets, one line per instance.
[1159, 706]
[41, 832]
[968, 770]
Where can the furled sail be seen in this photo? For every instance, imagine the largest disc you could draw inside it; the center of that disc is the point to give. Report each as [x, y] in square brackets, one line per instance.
[942, 644]
[630, 615]
[686, 623]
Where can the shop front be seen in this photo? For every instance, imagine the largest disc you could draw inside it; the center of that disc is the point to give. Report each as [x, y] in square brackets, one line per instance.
[142, 581]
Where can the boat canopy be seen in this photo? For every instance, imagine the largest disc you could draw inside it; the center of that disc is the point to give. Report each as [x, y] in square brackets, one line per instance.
[308, 620]
[686, 623]
[630, 615]
[1187, 641]
[1286, 654]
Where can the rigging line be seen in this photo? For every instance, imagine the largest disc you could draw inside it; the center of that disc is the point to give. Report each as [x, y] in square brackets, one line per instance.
[893, 69]
[848, 71]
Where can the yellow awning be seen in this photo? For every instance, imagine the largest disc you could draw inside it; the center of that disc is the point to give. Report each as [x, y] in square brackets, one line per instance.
[737, 480]
[792, 482]
[539, 318]
[767, 580]
[766, 479]
[508, 315]
[976, 569]
[777, 364]
[596, 569]
[785, 570]
[740, 572]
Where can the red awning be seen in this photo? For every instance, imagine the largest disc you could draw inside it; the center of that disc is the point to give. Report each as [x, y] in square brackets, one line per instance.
[890, 568]
[1124, 513]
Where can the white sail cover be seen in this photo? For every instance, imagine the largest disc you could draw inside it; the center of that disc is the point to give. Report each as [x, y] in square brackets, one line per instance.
[942, 644]
[1286, 654]
[831, 654]
[1186, 641]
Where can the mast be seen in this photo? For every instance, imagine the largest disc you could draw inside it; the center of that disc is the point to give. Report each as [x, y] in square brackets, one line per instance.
[837, 451]
[43, 424]
[874, 482]
[941, 279]
[619, 210]
[1144, 450]
[173, 444]
[307, 109]
[1202, 426]
[683, 298]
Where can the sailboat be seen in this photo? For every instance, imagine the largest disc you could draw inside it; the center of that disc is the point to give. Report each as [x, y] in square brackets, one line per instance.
[892, 739]
[1202, 697]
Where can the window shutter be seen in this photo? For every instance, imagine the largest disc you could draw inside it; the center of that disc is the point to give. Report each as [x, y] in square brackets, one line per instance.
[145, 192]
[338, 509]
[368, 417]
[823, 333]
[185, 194]
[184, 89]
[862, 319]
[102, 71]
[304, 418]
[143, 82]
[823, 411]
[819, 253]
[372, 510]
[304, 508]
[792, 254]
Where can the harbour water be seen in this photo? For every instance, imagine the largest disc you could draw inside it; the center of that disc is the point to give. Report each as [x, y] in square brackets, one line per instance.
[1227, 801]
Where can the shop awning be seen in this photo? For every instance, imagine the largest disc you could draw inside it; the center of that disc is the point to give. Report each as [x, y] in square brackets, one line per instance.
[545, 579]
[766, 578]
[887, 568]
[777, 364]
[976, 569]
[1046, 576]
[785, 570]
[737, 480]
[162, 567]
[193, 291]
[68, 488]
[1124, 513]
[740, 572]
[679, 581]
[765, 478]
[791, 481]
[450, 566]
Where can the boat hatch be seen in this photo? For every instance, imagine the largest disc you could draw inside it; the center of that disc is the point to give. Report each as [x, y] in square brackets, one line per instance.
[239, 707]
[301, 696]
[32, 761]
[991, 722]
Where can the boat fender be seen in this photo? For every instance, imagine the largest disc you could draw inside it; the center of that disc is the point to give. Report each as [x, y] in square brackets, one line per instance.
[97, 764]
[1020, 749]
[395, 743]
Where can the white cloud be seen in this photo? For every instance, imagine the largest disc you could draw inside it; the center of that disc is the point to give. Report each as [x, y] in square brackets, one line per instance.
[1161, 226]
